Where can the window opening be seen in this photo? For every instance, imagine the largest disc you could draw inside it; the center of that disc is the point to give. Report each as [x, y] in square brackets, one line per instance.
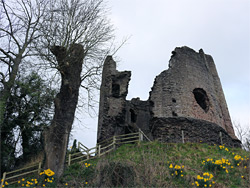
[115, 90]
[133, 116]
[201, 98]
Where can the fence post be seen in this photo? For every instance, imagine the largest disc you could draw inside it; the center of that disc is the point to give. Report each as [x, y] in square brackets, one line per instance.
[99, 150]
[140, 135]
[3, 179]
[78, 145]
[69, 159]
[88, 154]
[114, 142]
[221, 138]
[39, 168]
[182, 135]
[96, 149]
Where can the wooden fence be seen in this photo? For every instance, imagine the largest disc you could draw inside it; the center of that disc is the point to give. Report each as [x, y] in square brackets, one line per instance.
[83, 155]
[14, 176]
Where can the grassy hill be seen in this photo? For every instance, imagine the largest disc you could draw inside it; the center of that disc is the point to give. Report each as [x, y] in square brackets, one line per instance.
[163, 165]
[155, 165]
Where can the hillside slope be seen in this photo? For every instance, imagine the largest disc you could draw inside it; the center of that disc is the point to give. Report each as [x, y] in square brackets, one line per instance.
[163, 165]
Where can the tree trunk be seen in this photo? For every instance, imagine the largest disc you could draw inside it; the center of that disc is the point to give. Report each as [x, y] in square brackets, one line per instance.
[57, 135]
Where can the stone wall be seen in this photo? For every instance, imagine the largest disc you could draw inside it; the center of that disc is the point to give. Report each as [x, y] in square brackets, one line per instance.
[191, 88]
[194, 130]
[187, 96]
[112, 105]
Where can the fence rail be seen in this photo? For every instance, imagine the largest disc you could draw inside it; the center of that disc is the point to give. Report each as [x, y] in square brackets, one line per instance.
[83, 155]
[20, 173]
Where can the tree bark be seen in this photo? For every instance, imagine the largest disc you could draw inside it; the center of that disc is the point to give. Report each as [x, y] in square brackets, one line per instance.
[57, 135]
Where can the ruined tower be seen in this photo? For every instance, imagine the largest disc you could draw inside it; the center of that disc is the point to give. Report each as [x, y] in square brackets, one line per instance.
[186, 101]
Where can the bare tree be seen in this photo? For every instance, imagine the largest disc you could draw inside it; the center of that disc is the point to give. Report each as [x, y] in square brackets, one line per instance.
[19, 22]
[243, 134]
[18, 31]
[76, 39]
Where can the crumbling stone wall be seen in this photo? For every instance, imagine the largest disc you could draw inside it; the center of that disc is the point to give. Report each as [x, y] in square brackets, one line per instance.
[190, 88]
[175, 129]
[112, 105]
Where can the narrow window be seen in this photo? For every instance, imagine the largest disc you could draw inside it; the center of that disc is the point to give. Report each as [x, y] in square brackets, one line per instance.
[201, 98]
[133, 116]
[115, 90]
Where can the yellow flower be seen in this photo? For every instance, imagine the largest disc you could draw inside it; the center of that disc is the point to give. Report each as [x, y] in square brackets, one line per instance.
[86, 183]
[2, 185]
[182, 175]
[23, 179]
[245, 166]
[226, 171]
[237, 157]
[170, 166]
[43, 185]
[177, 167]
[19, 181]
[66, 183]
[49, 172]
[242, 176]
[205, 185]
[6, 183]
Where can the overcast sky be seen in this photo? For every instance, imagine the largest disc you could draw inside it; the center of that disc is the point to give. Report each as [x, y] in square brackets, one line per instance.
[220, 27]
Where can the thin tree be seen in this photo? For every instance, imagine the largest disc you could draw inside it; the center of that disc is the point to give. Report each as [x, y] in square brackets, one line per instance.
[19, 21]
[18, 31]
[243, 134]
[76, 39]
[29, 111]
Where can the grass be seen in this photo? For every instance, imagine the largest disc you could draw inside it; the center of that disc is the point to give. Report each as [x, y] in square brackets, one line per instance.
[163, 165]
[148, 165]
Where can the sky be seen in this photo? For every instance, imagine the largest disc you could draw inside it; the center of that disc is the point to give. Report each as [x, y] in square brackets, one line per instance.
[156, 27]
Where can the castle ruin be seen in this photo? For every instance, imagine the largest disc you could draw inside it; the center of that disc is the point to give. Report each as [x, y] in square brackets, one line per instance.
[186, 102]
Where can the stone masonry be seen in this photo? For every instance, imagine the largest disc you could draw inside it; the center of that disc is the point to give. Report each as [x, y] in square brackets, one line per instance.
[186, 99]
